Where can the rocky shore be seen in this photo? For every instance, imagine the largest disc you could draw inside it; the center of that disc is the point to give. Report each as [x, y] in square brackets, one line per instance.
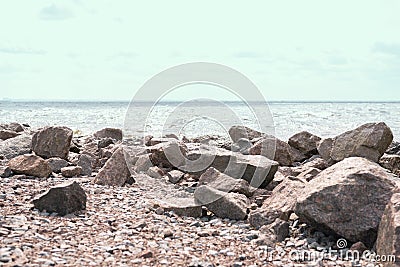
[252, 200]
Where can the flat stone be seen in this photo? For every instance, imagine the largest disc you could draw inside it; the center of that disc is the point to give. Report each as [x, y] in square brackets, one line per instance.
[30, 165]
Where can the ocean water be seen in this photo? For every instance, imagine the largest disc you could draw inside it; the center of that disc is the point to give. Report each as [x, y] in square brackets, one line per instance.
[198, 118]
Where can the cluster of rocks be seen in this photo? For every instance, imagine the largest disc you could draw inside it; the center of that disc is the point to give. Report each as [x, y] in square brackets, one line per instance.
[284, 192]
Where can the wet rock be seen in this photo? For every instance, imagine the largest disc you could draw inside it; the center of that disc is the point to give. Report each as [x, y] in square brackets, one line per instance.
[280, 204]
[347, 199]
[71, 171]
[220, 181]
[388, 235]
[175, 176]
[5, 171]
[368, 141]
[237, 132]
[62, 199]
[113, 133]
[7, 134]
[305, 142]
[115, 172]
[56, 164]
[391, 162]
[16, 146]
[52, 142]
[224, 205]
[85, 161]
[30, 165]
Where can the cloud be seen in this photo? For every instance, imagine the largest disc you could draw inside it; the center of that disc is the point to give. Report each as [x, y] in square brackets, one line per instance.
[19, 50]
[53, 12]
[384, 48]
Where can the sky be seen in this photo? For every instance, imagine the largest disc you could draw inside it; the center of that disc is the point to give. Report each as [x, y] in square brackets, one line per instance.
[291, 50]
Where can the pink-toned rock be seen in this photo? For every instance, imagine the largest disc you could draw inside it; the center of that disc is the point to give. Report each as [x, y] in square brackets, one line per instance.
[115, 171]
[71, 171]
[30, 165]
[52, 142]
[7, 134]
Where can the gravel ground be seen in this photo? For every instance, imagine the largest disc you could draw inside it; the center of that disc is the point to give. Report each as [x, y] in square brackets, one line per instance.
[123, 227]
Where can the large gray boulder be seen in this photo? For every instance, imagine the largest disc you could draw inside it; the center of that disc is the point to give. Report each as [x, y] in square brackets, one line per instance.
[388, 241]
[30, 165]
[280, 204]
[62, 199]
[52, 142]
[115, 171]
[348, 199]
[368, 141]
[16, 146]
[224, 205]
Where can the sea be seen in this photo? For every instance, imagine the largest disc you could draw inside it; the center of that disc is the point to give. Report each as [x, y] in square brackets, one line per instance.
[325, 119]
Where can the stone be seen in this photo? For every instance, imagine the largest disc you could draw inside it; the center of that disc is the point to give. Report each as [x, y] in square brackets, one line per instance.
[168, 154]
[224, 205]
[56, 164]
[305, 142]
[242, 145]
[359, 246]
[184, 207]
[280, 204]
[274, 149]
[86, 162]
[347, 199]
[52, 142]
[115, 171]
[296, 155]
[155, 172]
[62, 199]
[16, 127]
[71, 171]
[279, 228]
[155, 141]
[30, 165]
[113, 133]
[220, 181]
[7, 134]
[237, 132]
[16, 146]
[388, 239]
[255, 169]
[175, 176]
[391, 162]
[143, 163]
[5, 172]
[368, 141]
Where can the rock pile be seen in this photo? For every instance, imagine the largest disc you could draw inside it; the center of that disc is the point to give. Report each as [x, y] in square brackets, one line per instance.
[303, 194]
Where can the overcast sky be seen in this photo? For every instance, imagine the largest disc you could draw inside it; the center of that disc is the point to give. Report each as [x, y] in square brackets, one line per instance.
[292, 50]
